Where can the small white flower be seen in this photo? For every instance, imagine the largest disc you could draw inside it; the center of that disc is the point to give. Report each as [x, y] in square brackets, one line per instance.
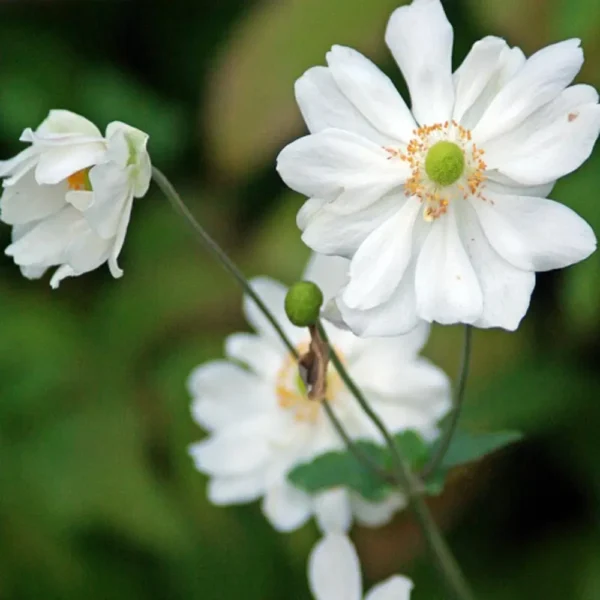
[334, 574]
[69, 195]
[262, 424]
[442, 207]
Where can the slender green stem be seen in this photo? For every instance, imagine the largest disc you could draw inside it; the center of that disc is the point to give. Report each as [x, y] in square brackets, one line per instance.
[407, 481]
[211, 245]
[450, 429]
[361, 457]
[402, 475]
[364, 404]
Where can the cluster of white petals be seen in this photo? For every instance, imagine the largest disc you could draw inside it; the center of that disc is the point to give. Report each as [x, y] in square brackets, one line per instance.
[334, 574]
[261, 423]
[69, 195]
[442, 208]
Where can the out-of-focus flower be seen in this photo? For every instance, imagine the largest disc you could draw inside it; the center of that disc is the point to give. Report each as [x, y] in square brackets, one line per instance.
[262, 423]
[69, 195]
[334, 574]
[441, 207]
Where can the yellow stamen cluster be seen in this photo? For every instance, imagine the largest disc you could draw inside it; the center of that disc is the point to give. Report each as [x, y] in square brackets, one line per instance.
[435, 197]
[291, 393]
[79, 181]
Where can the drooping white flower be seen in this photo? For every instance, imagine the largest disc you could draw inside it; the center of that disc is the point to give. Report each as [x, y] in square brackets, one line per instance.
[334, 574]
[69, 195]
[261, 424]
[441, 207]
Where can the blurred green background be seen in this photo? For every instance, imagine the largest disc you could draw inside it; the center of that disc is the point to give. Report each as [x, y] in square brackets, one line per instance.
[98, 498]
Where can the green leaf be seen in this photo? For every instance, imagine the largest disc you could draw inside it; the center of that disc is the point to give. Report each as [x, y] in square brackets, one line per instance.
[413, 448]
[469, 447]
[342, 469]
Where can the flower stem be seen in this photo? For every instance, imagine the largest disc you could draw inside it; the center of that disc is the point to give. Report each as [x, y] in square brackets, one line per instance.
[403, 477]
[361, 457]
[461, 387]
[213, 248]
[411, 485]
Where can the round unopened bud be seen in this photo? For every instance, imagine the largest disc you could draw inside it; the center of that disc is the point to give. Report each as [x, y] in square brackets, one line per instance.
[303, 303]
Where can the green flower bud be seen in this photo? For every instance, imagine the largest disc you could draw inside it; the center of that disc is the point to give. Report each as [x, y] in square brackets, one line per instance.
[303, 303]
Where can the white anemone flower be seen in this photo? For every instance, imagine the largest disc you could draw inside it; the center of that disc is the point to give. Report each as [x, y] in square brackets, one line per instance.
[334, 574]
[69, 195]
[261, 423]
[441, 207]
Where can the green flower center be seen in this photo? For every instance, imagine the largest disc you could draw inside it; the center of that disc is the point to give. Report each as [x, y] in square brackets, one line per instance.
[445, 163]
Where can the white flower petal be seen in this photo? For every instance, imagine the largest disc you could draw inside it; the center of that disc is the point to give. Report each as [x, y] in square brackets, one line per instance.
[393, 379]
[127, 150]
[236, 450]
[332, 511]
[552, 142]
[17, 166]
[61, 273]
[286, 507]
[394, 588]
[79, 199]
[475, 73]
[510, 61]
[112, 190]
[33, 272]
[119, 239]
[330, 273]
[334, 570]
[535, 234]
[57, 163]
[420, 38]
[496, 183]
[329, 232]
[377, 514]
[382, 259]
[540, 80]
[308, 210]
[224, 491]
[395, 317]
[340, 165]
[27, 201]
[272, 293]
[86, 251]
[447, 289]
[324, 106]
[45, 242]
[61, 121]
[371, 92]
[225, 393]
[506, 289]
[255, 352]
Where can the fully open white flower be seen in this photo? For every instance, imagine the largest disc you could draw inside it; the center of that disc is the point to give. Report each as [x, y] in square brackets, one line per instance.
[262, 424]
[334, 574]
[69, 195]
[442, 207]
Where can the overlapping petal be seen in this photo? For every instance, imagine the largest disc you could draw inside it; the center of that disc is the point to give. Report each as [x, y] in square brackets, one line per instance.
[342, 166]
[541, 79]
[420, 38]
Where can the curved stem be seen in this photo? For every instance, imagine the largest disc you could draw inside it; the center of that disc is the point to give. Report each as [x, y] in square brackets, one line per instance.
[411, 485]
[361, 457]
[402, 475]
[357, 393]
[461, 387]
[211, 245]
